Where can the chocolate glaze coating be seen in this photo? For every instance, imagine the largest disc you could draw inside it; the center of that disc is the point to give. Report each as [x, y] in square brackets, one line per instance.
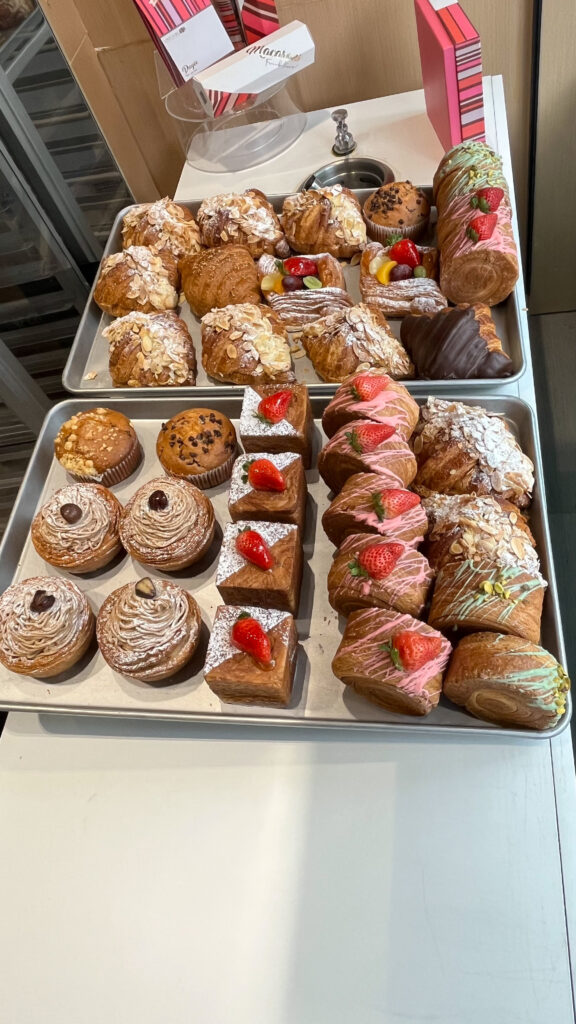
[454, 345]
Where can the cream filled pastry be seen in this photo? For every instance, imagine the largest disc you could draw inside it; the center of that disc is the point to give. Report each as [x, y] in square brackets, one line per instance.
[148, 630]
[46, 626]
[78, 528]
[168, 524]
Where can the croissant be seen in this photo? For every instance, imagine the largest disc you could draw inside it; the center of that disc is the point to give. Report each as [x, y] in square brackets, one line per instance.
[414, 295]
[163, 225]
[245, 344]
[456, 344]
[324, 220]
[481, 596]
[463, 449]
[365, 447]
[353, 339]
[137, 279]
[507, 680]
[374, 572]
[248, 219]
[298, 308]
[219, 277]
[149, 350]
[372, 395]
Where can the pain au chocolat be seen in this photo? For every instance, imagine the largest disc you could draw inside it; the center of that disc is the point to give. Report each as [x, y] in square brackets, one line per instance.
[366, 447]
[366, 505]
[372, 395]
[370, 572]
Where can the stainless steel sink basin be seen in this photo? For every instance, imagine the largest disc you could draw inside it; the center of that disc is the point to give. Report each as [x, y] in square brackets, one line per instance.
[352, 171]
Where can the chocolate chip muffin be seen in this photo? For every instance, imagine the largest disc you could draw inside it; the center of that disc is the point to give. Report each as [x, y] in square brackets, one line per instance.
[198, 445]
[396, 209]
[98, 446]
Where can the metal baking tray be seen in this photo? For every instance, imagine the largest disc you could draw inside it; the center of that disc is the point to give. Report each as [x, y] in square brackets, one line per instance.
[319, 698]
[89, 352]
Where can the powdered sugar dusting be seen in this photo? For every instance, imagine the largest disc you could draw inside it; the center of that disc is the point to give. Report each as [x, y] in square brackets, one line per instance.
[250, 424]
[220, 646]
[239, 488]
[231, 560]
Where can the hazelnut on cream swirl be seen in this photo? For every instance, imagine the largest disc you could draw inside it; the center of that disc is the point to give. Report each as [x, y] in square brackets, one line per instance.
[148, 630]
[45, 626]
[77, 528]
[168, 523]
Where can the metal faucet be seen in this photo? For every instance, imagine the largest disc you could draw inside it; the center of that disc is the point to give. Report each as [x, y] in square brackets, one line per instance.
[344, 142]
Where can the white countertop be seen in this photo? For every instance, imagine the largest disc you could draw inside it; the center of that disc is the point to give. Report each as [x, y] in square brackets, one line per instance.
[259, 876]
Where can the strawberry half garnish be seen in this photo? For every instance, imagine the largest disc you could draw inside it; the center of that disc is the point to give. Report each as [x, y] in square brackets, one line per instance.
[376, 561]
[252, 546]
[410, 651]
[263, 475]
[366, 387]
[248, 636]
[301, 266]
[482, 227]
[367, 436]
[393, 502]
[405, 252]
[487, 199]
[274, 407]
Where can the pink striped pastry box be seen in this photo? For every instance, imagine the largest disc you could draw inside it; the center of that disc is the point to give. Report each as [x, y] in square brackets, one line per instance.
[451, 57]
[188, 34]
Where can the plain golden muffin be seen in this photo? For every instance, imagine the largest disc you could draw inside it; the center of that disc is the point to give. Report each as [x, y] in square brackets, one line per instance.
[399, 208]
[198, 445]
[98, 445]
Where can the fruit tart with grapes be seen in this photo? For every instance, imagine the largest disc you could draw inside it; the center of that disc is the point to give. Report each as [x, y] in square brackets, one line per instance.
[401, 278]
[302, 289]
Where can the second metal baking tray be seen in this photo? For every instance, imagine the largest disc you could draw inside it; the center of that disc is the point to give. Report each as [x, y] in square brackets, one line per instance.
[320, 699]
[87, 373]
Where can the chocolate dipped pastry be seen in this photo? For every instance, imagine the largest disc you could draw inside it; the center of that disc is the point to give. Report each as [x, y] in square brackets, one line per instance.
[401, 279]
[354, 339]
[148, 630]
[368, 572]
[324, 220]
[365, 447]
[456, 344]
[473, 597]
[372, 395]
[364, 505]
[198, 445]
[277, 420]
[98, 446]
[46, 626]
[251, 656]
[161, 226]
[392, 660]
[507, 680]
[246, 219]
[261, 564]
[302, 289]
[137, 280]
[270, 487]
[463, 449]
[245, 344]
[151, 350]
[464, 526]
[219, 277]
[77, 529]
[167, 524]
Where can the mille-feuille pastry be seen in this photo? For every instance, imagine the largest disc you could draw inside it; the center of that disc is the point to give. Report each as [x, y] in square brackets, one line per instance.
[478, 255]
[247, 218]
[46, 626]
[251, 656]
[507, 680]
[366, 447]
[302, 289]
[368, 572]
[459, 343]
[365, 505]
[261, 564]
[397, 209]
[198, 445]
[270, 487]
[478, 527]
[277, 419]
[393, 660]
[98, 446]
[168, 524]
[162, 226]
[77, 529]
[372, 395]
[401, 279]
[137, 279]
[463, 449]
[324, 220]
[151, 350]
[245, 344]
[148, 630]
[225, 276]
[354, 339]
[475, 596]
